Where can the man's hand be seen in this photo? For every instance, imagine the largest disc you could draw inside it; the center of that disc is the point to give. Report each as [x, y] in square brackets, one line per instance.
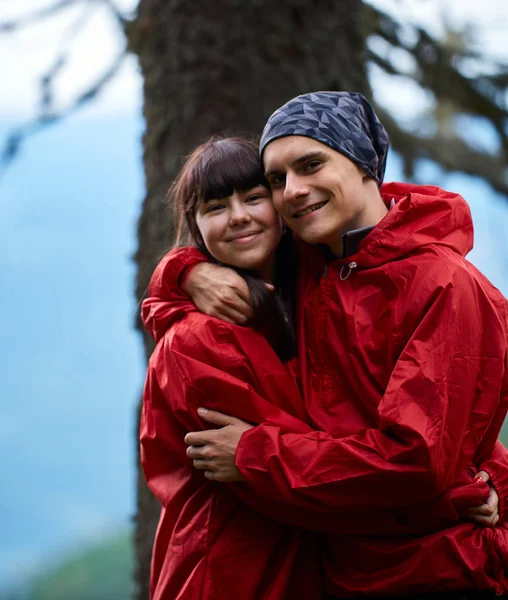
[213, 451]
[219, 292]
[486, 514]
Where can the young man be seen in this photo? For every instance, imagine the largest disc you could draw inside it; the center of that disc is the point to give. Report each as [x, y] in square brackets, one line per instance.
[403, 358]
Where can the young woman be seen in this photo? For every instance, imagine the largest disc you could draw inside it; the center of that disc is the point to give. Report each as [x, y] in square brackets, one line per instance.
[213, 541]
[217, 541]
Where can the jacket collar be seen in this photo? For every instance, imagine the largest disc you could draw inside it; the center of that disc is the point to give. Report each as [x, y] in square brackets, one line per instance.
[351, 240]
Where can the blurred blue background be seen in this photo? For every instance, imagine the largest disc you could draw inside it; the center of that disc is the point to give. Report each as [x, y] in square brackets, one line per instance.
[71, 363]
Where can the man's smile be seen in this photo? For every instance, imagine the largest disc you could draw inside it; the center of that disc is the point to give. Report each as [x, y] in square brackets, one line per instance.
[309, 209]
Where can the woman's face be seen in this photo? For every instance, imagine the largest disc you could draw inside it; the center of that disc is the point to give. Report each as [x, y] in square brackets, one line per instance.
[242, 230]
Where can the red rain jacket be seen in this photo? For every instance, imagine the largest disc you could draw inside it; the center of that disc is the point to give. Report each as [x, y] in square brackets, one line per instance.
[213, 542]
[403, 359]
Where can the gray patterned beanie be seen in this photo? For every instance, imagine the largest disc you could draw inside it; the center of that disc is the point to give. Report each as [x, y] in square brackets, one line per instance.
[345, 121]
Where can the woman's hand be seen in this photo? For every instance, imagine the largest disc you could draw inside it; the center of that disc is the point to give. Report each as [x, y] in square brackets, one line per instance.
[219, 292]
[486, 514]
[213, 451]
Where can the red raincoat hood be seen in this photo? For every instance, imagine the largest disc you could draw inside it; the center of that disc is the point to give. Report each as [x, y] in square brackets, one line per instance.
[166, 303]
[421, 215]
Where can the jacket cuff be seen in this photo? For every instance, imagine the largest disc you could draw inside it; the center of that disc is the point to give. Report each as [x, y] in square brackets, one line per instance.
[186, 270]
[498, 473]
[250, 460]
[173, 268]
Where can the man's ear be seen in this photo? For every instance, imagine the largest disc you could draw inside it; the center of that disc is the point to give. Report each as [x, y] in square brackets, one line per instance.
[367, 180]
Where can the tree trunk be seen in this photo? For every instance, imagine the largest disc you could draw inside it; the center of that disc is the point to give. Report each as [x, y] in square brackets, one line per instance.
[224, 66]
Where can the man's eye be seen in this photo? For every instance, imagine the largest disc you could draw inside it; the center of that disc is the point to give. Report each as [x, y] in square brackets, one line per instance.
[314, 164]
[276, 180]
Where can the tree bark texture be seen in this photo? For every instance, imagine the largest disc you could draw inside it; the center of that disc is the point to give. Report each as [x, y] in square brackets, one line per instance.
[223, 66]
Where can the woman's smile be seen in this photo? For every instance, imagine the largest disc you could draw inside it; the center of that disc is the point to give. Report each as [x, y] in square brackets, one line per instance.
[244, 237]
[242, 230]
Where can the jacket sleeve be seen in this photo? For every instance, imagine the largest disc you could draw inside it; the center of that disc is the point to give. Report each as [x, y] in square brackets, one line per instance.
[496, 465]
[165, 298]
[442, 410]
[229, 375]
[176, 263]
[206, 366]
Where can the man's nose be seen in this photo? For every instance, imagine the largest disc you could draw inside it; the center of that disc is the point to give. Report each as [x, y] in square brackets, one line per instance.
[294, 189]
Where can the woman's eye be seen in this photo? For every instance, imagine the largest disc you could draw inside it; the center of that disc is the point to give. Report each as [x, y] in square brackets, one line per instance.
[214, 207]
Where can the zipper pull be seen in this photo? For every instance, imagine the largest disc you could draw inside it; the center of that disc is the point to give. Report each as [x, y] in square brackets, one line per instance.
[350, 266]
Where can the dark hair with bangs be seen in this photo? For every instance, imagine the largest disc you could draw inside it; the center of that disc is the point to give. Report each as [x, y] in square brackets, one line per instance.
[215, 170]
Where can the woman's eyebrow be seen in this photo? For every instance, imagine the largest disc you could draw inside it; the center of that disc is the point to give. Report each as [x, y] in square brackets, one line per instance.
[214, 200]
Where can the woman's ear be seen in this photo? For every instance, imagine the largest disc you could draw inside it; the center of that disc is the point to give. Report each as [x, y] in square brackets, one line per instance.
[199, 241]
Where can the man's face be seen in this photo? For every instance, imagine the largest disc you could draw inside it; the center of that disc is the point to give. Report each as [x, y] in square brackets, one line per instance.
[318, 192]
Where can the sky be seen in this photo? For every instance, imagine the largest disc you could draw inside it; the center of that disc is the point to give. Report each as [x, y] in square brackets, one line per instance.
[71, 364]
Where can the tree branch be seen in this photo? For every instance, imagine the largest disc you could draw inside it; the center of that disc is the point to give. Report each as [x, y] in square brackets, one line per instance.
[438, 70]
[39, 15]
[452, 154]
[122, 19]
[44, 119]
[47, 115]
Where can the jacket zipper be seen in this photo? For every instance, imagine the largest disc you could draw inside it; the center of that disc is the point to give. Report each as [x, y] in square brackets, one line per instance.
[350, 266]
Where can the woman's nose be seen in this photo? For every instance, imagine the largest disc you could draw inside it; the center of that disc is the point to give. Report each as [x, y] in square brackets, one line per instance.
[239, 214]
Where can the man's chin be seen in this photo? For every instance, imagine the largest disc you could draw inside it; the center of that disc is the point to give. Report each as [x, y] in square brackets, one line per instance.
[314, 238]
